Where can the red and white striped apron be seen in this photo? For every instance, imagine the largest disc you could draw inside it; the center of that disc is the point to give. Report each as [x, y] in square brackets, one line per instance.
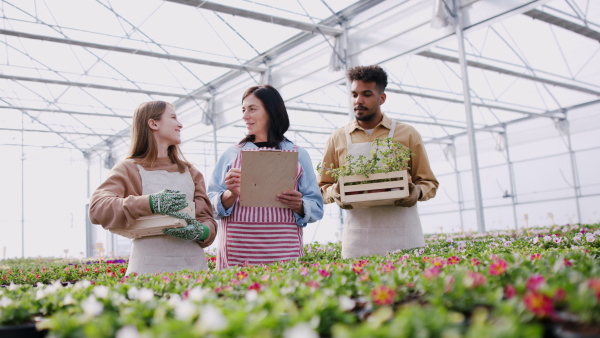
[259, 235]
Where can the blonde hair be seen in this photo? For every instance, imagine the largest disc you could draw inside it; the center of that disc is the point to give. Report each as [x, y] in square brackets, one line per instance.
[144, 149]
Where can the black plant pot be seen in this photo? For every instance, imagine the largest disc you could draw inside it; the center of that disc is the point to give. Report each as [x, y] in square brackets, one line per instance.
[22, 331]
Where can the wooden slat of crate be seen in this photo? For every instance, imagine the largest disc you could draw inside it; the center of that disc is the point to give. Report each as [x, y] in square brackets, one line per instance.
[153, 225]
[369, 199]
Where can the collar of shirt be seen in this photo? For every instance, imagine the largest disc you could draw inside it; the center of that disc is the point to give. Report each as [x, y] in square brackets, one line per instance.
[386, 122]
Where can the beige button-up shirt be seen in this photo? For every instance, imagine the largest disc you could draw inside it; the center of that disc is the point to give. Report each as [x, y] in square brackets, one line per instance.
[336, 151]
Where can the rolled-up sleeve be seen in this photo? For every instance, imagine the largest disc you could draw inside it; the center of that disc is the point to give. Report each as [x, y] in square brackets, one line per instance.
[217, 187]
[312, 201]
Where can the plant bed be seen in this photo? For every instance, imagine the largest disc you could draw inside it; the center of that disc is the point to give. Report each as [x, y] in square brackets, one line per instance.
[361, 191]
[28, 330]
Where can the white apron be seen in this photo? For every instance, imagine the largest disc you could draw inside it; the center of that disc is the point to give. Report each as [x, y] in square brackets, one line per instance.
[380, 229]
[165, 253]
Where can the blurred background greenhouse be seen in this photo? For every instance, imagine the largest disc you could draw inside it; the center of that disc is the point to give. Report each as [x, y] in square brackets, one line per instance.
[520, 147]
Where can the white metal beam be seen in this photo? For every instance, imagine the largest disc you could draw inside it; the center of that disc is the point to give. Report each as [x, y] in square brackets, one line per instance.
[70, 112]
[314, 28]
[131, 51]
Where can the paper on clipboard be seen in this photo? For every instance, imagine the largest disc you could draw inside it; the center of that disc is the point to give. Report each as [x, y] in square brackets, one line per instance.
[266, 173]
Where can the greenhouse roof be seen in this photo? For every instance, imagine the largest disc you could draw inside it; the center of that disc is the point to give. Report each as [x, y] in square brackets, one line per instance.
[72, 74]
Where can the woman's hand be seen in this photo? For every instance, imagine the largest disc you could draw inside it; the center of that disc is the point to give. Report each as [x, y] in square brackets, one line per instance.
[293, 200]
[233, 182]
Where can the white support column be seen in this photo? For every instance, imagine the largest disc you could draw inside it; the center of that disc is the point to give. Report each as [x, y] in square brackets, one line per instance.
[563, 126]
[469, 114]
[511, 175]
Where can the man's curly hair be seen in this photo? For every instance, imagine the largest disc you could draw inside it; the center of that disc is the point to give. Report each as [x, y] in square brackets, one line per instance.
[372, 73]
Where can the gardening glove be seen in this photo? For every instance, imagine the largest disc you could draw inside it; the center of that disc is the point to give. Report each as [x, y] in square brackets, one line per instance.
[337, 196]
[166, 201]
[414, 193]
[194, 231]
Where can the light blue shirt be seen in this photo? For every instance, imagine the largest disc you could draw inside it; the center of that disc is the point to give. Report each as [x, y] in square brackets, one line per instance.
[312, 201]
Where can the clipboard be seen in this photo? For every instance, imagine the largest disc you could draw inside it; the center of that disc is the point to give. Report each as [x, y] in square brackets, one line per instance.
[266, 173]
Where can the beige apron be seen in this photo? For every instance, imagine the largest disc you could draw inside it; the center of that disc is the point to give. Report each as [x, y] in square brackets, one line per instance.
[165, 253]
[380, 229]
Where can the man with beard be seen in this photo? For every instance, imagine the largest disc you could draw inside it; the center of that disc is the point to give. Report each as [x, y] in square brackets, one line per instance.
[379, 229]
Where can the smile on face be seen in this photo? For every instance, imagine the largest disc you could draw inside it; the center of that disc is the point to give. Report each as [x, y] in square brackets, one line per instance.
[366, 100]
[167, 129]
[255, 117]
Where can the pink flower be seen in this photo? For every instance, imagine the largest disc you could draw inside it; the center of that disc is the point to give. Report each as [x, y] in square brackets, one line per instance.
[304, 271]
[438, 261]
[254, 286]
[560, 295]
[357, 268]
[364, 277]
[510, 291]
[389, 267]
[475, 261]
[540, 304]
[498, 267]
[453, 260]
[324, 273]
[535, 256]
[383, 295]
[474, 279]
[534, 282]
[431, 272]
[426, 259]
[312, 284]
[567, 262]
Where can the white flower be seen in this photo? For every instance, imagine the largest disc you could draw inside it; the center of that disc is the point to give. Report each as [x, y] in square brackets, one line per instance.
[68, 300]
[129, 331]
[557, 240]
[597, 232]
[251, 295]
[197, 293]
[101, 291]
[174, 300]
[507, 244]
[449, 240]
[145, 295]
[5, 301]
[12, 287]
[346, 303]
[300, 330]
[535, 240]
[133, 293]
[576, 239]
[211, 319]
[185, 311]
[547, 238]
[92, 307]
[82, 285]
[590, 238]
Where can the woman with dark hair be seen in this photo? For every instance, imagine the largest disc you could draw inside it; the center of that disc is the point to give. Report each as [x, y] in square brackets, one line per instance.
[259, 235]
[155, 178]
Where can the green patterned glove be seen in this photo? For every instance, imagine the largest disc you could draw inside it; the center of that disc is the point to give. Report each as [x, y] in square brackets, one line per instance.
[167, 201]
[195, 231]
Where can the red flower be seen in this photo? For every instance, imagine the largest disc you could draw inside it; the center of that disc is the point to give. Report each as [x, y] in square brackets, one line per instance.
[453, 260]
[324, 273]
[540, 304]
[254, 286]
[37, 276]
[567, 262]
[357, 268]
[510, 291]
[560, 295]
[426, 259]
[475, 261]
[4, 277]
[96, 269]
[534, 282]
[383, 295]
[536, 256]
[122, 270]
[498, 267]
[108, 270]
[112, 274]
[241, 275]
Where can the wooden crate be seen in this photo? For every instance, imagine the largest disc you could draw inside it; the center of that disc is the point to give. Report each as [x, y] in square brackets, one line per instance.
[369, 194]
[153, 225]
